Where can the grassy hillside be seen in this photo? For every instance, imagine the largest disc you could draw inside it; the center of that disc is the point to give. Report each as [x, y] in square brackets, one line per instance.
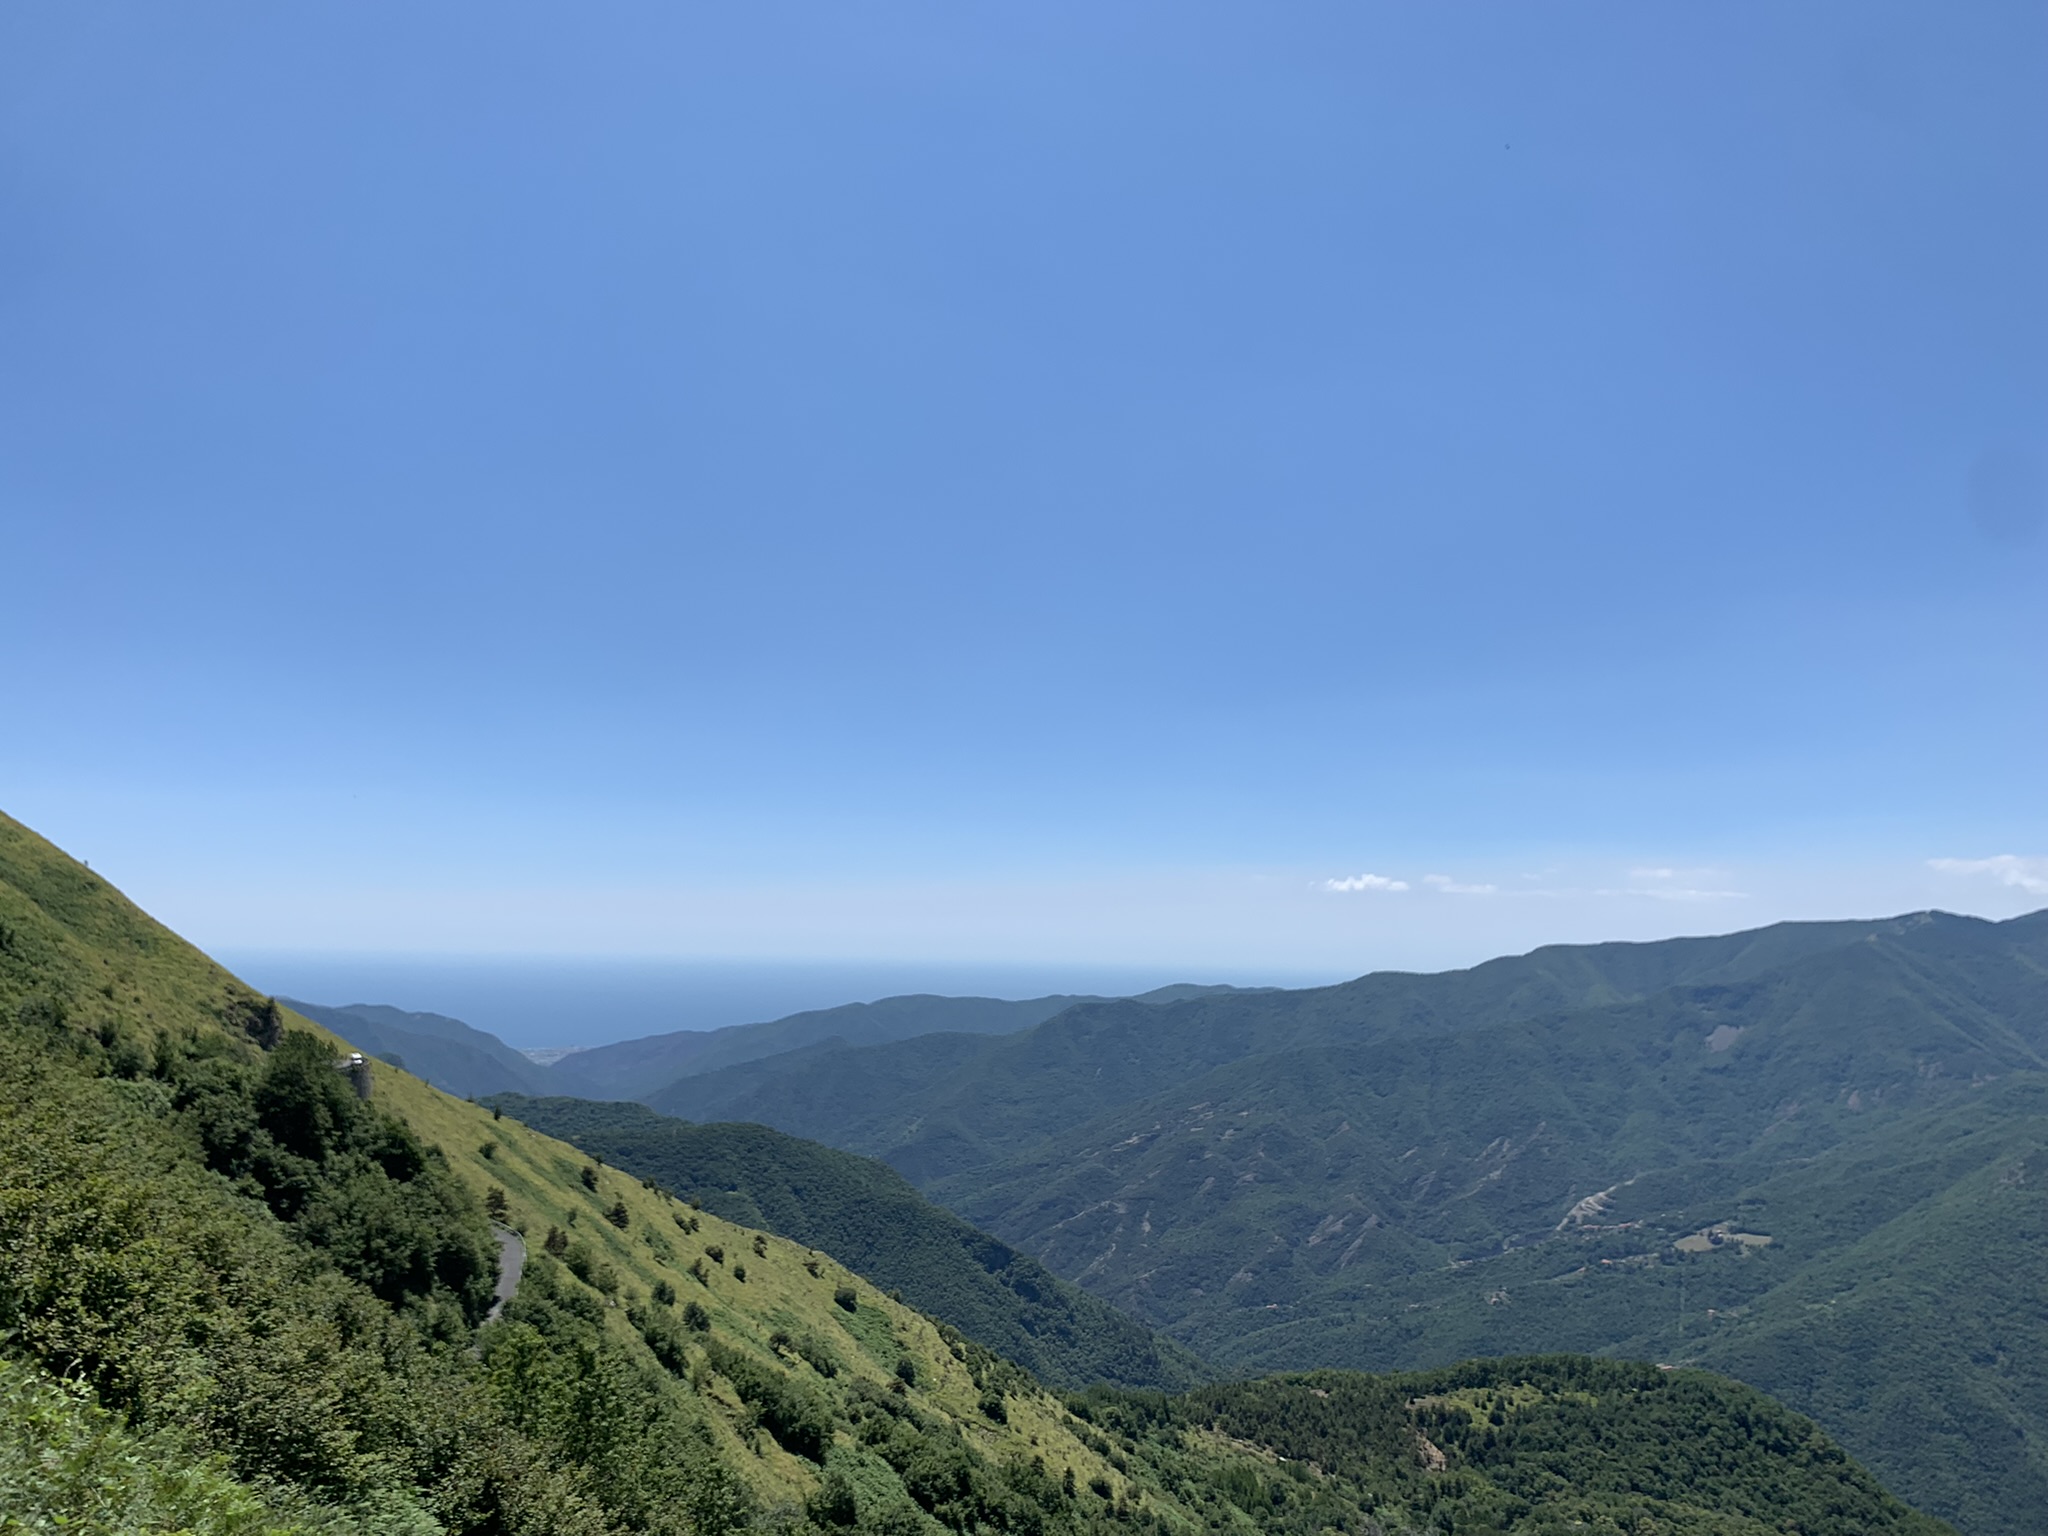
[1406, 1171]
[288, 1324]
[871, 1219]
[266, 1297]
[632, 1068]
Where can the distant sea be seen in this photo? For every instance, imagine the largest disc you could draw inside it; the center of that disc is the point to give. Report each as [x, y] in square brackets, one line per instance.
[533, 1003]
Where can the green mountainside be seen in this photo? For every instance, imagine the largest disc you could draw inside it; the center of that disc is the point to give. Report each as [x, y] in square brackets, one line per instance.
[871, 1219]
[236, 1295]
[1095, 1057]
[434, 1048]
[1575, 1149]
[628, 1068]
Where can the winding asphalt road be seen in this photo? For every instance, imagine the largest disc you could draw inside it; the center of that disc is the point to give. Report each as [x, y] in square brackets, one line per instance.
[511, 1261]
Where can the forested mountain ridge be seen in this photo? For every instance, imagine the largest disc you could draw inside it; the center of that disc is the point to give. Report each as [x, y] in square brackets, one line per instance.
[266, 1295]
[1406, 1170]
[632, 1068]
[873, 1220]
[1094, 1057]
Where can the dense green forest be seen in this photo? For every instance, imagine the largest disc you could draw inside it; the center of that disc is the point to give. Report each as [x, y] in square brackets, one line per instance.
[1550, 1444]
[236, 1295]
[870, 1218]
[1577, 1149]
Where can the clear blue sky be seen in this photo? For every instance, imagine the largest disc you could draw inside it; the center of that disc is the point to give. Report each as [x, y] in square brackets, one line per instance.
[1042, 483]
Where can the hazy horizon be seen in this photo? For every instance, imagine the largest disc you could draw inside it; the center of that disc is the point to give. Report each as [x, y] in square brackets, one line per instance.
[537, 1002]
[541, 1001]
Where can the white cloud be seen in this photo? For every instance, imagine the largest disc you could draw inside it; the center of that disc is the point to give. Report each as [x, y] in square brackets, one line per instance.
[1365, 883]
[1653, 874]
[1452, 887]
[2029, 875]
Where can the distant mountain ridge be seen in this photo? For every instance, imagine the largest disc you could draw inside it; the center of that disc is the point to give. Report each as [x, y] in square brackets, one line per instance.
[459, 1058]
[634, 1068]
[1109, 1053]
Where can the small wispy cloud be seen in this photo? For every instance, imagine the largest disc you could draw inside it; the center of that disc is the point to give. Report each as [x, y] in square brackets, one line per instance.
[2029, 875]
[1663, 883]
[1365, 883]
[1675, 893]
[1644, 884]
[1452, 887]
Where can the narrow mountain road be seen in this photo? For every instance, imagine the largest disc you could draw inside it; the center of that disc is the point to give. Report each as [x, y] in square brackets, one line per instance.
[511, 1262]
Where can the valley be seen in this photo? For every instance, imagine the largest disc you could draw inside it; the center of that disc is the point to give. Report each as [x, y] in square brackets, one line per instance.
[267, 1282]
[1536, 1155]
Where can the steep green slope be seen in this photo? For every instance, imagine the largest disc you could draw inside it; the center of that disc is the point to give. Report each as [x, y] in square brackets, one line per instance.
[432, 1047]
[867, 1216]
[200, 1220]
[632, 1068]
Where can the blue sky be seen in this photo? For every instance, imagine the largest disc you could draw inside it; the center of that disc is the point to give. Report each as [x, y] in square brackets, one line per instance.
[1031, 484]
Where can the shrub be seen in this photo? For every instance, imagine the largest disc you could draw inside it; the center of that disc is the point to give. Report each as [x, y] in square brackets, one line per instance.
[788, 1411]
[60, 1455]
[618, 1215]
[591, 1270]
[847, 1297]
[664, 1294]
[817, 1356]
[832, 1503]
[695, 1318]
[714, 1253]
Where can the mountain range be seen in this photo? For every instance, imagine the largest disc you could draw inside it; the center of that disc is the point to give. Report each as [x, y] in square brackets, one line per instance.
[628, 1068]
[248, 1284]
[1812, 1154]
[472, 1063]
